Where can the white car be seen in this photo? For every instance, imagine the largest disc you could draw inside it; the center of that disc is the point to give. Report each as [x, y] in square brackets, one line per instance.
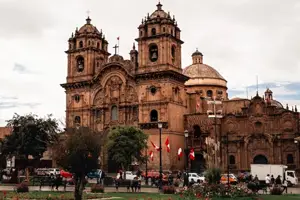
[52, 171]
[196, 178]
[129, 175]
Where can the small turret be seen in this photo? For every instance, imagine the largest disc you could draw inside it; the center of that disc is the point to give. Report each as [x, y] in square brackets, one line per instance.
[134, 56]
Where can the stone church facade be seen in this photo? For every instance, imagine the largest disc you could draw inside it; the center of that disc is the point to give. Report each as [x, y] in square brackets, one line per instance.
[103, 91]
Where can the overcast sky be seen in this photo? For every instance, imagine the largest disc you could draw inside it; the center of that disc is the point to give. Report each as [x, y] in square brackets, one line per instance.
[242, 39]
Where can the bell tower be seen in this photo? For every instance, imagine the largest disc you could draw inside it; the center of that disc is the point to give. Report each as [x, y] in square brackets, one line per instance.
[160, 82]
[159, 42]
[86, 53]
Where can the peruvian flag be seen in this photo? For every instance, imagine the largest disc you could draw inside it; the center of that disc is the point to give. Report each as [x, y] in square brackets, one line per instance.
[118, 38]
[156, 147]
[192, 154]
[179, 153]
[151, 154]
[167, 143]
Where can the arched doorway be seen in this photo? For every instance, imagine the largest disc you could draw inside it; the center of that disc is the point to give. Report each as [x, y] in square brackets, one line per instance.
[260, 159]
[198, 165]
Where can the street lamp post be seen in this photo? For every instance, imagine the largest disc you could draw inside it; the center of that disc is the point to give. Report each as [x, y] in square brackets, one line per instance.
[228, 158]
[186, 135]
[215, 114]
[159, 124]
[146, 175]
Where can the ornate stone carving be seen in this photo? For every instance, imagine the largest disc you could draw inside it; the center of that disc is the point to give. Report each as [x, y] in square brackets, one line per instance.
[99, 98]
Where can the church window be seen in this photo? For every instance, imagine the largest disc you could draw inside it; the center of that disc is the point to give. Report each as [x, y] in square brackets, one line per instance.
[153, 116]
[89, 43]
[80, 64]
[70, 46]
[173, 51]
[153, 90]
[164, 29]
[114, 113]
[141, 33]
[77, 98]
[77, 120]
[197, 131]
[176, 91]
[171, 31]
[231, 160]
[290, 159]
[80, 44]
[153, 31]
[153, 52]
[98, 45]
[220, 92]
[209, 93]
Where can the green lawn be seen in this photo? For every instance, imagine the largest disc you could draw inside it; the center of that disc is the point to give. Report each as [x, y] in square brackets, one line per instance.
[128, 196]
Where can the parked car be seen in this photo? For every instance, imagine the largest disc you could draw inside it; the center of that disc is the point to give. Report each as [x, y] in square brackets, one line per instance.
[65, 174]
[232, 179]
[196, 178]
[52, 171]
[94, 174]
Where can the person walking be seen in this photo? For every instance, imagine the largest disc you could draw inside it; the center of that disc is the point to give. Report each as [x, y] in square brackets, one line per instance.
[284, 185]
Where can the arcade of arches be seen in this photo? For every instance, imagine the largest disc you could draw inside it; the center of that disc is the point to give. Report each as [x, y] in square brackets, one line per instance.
[103, 91]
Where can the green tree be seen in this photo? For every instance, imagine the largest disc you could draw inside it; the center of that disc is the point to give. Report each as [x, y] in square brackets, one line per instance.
[126, 143]
[31, 135]
[78, 152]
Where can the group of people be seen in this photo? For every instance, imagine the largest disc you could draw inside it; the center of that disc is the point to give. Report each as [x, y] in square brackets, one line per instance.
[271, 182]
[135, 184]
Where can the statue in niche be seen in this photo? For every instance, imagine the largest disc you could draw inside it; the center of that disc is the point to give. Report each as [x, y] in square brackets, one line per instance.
[113, 87]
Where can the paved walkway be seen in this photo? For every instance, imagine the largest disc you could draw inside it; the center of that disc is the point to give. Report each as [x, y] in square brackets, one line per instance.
[71, 188]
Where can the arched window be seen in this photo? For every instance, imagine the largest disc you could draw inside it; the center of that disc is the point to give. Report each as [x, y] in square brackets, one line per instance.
[98, 45]
[114, 113]
[290, 159]
[77, 120]
[77, 98]
[153, 52]
[153, 31]
[80, 64]
[98, 114]
[89, 42]
[153, 116]
[231, 160]
[209, 93]
[164, 29]
[141, 33]
[197, 131]
[173, 51]
[80, 44]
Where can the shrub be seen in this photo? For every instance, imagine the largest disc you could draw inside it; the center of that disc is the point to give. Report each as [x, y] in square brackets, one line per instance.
[97, 188]
[176, 183]
[22, 187]
[253, 186]
[169, 190]
[213, 175]
[276, 191]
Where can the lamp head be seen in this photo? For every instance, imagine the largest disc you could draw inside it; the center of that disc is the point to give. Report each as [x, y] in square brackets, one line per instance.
[186, 133]
[159, 124]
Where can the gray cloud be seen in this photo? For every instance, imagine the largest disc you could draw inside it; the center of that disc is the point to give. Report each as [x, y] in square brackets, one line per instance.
[22, 69]
[8, 105]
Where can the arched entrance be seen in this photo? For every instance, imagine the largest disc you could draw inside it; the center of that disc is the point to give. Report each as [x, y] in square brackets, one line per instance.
[260, 159]
[198, 165]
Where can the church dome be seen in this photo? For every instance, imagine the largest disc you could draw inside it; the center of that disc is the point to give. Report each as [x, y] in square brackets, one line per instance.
[202, 74]
[159, 13]
[88, 27]
[275, 103]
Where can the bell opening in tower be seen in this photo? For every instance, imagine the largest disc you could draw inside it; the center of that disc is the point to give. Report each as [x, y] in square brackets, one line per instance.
[153, 52]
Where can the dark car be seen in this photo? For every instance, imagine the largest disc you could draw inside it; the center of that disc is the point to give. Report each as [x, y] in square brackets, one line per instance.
[94, 174]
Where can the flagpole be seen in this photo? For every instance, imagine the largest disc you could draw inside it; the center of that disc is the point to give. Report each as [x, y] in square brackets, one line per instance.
[119, 45]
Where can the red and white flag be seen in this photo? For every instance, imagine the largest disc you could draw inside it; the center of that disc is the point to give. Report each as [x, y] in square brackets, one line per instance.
[179, 153]
[192, 154]
[167, 143]
[118, 38]
[156, 147]
[151, 154]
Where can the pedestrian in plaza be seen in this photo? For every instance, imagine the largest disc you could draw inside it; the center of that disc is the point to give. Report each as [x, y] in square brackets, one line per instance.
[278, 180]
[284, 185]
[272, 180]
[185, 179]
[268, 180]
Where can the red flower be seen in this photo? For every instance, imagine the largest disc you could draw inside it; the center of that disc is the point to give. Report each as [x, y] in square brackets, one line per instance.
[4, 193]
[181, 195]
[198, 195]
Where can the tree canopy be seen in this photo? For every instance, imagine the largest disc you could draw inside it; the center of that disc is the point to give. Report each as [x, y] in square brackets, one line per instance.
[78, 153]
[125, 144]
[31, 135]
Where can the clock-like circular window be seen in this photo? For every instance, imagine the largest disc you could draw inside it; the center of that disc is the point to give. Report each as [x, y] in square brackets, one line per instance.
[153, 90]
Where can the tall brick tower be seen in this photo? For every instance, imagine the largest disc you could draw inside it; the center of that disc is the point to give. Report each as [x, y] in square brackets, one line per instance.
[160, 84]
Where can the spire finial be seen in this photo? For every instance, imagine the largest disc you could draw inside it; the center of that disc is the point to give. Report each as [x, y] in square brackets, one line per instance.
[88, 19]
[133, 46]
[159, 6]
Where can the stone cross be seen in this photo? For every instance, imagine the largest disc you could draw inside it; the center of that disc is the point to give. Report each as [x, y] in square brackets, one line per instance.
[116, 47]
